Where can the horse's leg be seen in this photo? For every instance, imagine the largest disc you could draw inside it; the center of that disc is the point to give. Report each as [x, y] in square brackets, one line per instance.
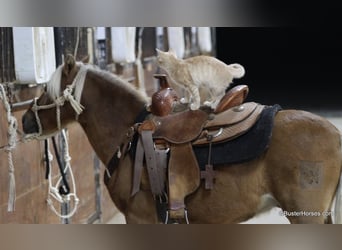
[303, 165]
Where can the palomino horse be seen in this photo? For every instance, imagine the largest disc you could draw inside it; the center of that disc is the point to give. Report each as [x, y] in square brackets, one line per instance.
[300, 140]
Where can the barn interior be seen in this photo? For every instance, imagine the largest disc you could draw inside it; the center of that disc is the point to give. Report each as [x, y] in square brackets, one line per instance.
[293, 67]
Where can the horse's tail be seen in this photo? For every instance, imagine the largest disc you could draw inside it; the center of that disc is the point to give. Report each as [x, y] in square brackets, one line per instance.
[337, 213]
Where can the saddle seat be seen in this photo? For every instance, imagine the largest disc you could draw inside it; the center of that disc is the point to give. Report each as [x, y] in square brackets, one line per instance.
[184, 126]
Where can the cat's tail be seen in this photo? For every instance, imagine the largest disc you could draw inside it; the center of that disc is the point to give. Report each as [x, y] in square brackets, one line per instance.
[236, 70]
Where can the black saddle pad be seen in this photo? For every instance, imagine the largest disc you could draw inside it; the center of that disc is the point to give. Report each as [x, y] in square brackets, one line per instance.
[244, 148]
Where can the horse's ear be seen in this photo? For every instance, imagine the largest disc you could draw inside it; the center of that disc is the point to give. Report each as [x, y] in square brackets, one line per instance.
[69, 63]
[85, 59]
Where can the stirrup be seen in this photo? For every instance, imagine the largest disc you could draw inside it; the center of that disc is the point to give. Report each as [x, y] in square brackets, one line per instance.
[175, 220]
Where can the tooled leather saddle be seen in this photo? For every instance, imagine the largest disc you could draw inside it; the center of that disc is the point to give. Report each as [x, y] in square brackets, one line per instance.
[166, 142]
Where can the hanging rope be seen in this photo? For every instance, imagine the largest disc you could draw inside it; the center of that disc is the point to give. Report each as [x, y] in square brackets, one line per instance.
[12, 138]
[77, 42]
[138, 63]
[58, 192]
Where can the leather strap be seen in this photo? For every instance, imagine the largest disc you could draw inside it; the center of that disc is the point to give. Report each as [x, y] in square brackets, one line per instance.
[138, 165]
[184, 177]
[157, 187]
[161, 157]
[161, 166]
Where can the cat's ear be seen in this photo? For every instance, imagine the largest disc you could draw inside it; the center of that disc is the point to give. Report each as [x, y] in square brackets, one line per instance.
[158, 51]
[171, 51]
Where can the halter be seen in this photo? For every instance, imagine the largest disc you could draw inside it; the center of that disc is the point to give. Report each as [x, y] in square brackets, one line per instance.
[67, 96]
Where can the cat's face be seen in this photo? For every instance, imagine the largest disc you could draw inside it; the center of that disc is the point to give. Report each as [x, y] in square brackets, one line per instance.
[164, 58]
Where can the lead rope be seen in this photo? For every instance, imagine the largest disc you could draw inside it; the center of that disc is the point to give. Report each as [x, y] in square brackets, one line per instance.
[54, 190]
[12, 138]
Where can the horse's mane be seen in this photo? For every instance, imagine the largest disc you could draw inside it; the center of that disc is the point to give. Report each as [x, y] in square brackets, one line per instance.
[120, 82]
[54, 86]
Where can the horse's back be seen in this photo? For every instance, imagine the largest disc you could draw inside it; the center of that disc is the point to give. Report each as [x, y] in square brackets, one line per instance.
[305, 136]
[303, 163]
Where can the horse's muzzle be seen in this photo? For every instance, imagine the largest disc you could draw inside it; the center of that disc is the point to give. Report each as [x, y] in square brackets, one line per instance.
[29, 122]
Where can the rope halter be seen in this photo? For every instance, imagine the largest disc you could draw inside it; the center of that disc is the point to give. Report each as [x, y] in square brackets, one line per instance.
[67, 96]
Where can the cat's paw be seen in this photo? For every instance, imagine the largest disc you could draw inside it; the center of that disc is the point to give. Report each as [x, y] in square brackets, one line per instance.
[209, 104]
[194, 106]
[183, 100]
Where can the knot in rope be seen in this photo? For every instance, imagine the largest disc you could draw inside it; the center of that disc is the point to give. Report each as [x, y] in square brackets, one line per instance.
[60, 101]
[12, 136]
[68, 96]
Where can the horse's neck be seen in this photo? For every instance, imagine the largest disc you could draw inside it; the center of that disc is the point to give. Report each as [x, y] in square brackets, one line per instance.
[109, 112]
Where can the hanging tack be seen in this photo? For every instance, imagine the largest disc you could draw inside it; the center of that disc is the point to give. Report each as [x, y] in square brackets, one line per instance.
[204, 40]
[176, 40]
[138, 63]
[123, 44]
[12, 138]
[54, 193]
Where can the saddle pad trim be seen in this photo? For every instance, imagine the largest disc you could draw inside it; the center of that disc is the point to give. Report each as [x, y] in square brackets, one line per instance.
[233, 115]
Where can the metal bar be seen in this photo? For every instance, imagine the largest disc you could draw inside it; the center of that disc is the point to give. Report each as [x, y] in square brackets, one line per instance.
[7, 73]
[2, 59]
[97, 175]
[65, 209]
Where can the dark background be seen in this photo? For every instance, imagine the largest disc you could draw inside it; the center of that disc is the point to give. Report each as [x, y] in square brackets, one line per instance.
[296, 67]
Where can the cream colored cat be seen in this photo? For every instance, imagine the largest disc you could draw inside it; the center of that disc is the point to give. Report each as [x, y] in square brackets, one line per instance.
[197, 74]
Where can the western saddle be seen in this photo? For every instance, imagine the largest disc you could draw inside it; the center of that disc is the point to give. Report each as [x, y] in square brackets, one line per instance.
[166, 139]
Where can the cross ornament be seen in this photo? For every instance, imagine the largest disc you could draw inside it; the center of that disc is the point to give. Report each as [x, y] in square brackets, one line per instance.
[208, 175]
